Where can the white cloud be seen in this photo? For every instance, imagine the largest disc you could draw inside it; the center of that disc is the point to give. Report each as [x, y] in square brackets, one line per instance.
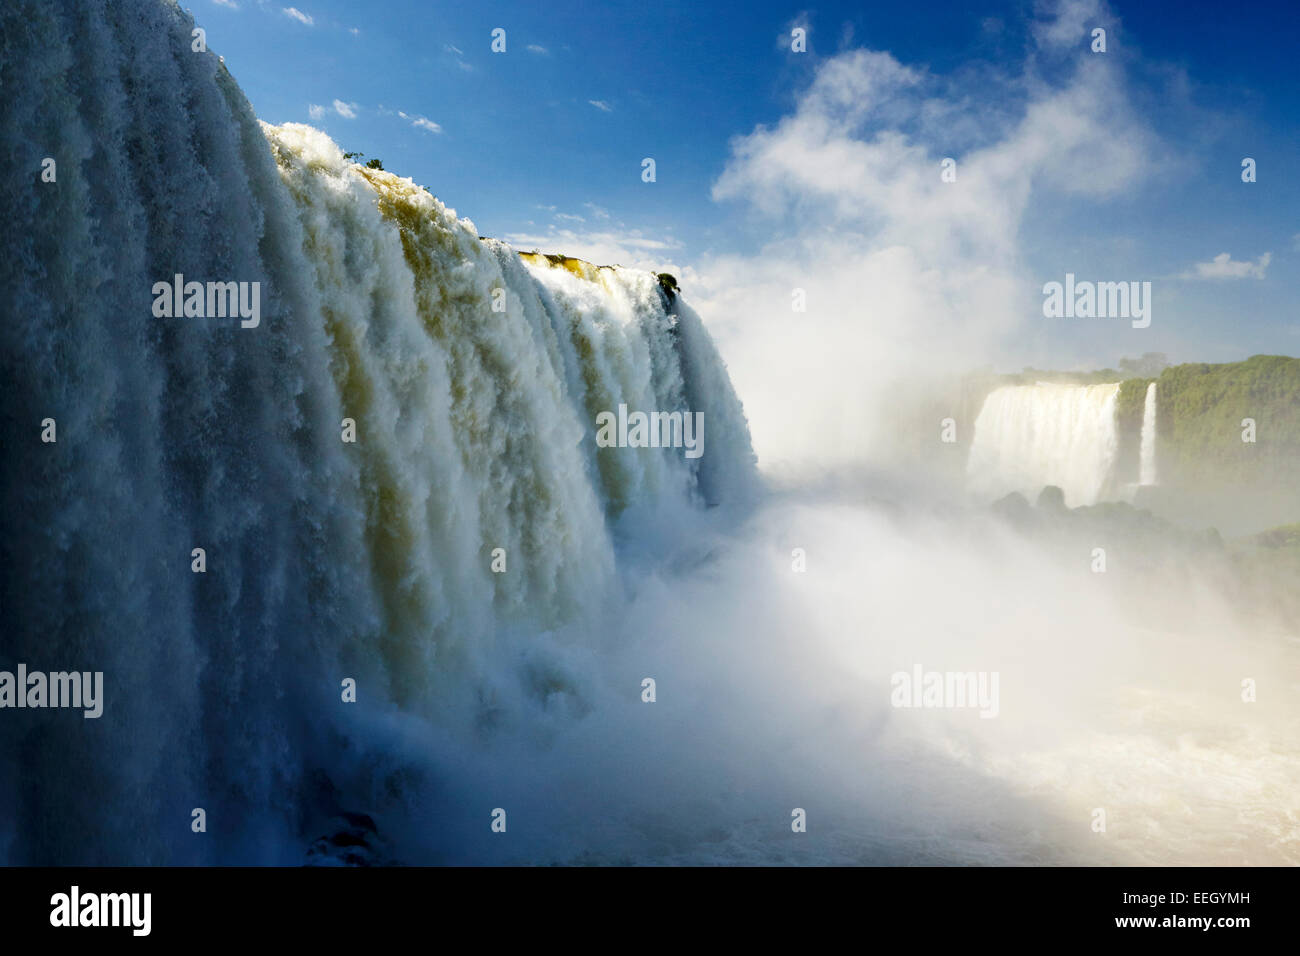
[1222, 266]
[597, 211]
[346, 110]
[419, 122]
[601, 105]
[354, 31]
[569, 217]
[458, 53]
[298, 15]
[1073, 21]
[540, 50]
[228, 4]
[316, 111]
[904, 274]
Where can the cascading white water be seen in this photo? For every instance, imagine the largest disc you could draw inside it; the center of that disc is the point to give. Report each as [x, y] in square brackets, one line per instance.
[474, 432]
[1030, 436]
[324, 559]
[1147, 466]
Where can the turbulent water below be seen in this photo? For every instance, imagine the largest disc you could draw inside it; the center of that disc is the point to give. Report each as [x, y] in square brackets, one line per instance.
[394, 480]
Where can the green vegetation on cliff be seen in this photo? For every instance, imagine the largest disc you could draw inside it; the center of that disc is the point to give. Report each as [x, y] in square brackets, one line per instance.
[1201, 410]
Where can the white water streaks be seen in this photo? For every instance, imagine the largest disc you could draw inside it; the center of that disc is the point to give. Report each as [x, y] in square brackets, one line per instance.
[325, 558]
[1030, 436]
[487, 586]
[1147, 466]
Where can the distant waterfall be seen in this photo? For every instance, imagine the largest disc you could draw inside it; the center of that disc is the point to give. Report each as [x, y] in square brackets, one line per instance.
[1147, 469]
[1030, 436]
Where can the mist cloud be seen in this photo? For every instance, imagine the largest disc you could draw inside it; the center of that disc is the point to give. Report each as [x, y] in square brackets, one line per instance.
[902, 271]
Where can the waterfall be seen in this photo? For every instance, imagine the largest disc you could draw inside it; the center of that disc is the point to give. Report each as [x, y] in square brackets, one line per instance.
[1147, 469]
[472, 510]
[1030, 436]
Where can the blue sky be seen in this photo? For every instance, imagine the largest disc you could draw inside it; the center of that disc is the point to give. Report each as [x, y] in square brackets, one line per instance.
[543, 145]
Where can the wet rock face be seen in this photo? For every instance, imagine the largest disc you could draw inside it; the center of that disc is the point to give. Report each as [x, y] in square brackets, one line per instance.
[1051, 499]
[352, 840]
[1014, 508]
